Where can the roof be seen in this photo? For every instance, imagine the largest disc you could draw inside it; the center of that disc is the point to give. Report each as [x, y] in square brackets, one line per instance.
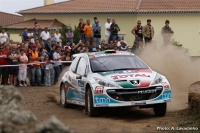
[51, 24]
[7, 18]
[85, 6]
[117, 6]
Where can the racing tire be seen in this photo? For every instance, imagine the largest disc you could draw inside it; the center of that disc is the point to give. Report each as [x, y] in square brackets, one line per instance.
[92, 111]
[63, 99]
[160, 109]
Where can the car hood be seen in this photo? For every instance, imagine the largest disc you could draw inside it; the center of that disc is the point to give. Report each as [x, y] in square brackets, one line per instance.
[130, 78]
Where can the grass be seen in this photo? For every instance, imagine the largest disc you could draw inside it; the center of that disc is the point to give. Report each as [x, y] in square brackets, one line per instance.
[185, 123]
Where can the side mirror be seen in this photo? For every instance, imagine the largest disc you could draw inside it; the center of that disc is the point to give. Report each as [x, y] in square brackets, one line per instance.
[78, 77]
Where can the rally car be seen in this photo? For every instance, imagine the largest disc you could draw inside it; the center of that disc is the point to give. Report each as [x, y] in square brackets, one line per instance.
[113, 79]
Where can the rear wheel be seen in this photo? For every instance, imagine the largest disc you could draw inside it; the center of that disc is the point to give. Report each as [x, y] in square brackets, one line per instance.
[160, 109]
[63, 99]
[92, 111]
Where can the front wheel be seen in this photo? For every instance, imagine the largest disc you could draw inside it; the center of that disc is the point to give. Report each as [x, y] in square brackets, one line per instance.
[160, 109]
[63, 99]
[92, 111]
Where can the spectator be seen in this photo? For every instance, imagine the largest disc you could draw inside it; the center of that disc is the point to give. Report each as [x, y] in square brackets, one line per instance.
[104, 41]
[87, 43]
[11, 42]
[51, 59]
[81, 26]
[58, 37]
[23, 59]
[13, 58]
[48, 46]
[97, 33]
[24, 36]
[36, 30]
[111, 46]
[88, 32]
[31, 36]
[114, 28]
[167, 32]
[53, 37]
[43, 53]
[137, 31]
[69, 35]
[94, 23]
[107, 29]
[45, 35]
[102, 45]
[35, 68]
[148, 32]
[105, 47]
[93, 48]
[3, 61]
[3, 36]
[115, 47]
[47, 72]
[68, 54]
[119, 41]
[57, 57]
[37, 42]
[123, 47]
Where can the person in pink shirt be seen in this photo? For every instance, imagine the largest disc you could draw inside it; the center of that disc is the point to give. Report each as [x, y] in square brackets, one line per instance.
[23, 59]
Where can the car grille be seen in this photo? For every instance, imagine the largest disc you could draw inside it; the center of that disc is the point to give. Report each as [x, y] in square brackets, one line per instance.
[135, 94]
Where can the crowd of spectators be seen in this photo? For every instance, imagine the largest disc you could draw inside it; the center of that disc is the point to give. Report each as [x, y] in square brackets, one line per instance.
[44, 51]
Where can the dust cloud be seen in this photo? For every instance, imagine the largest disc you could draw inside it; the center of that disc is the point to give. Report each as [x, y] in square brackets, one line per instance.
[178, 67]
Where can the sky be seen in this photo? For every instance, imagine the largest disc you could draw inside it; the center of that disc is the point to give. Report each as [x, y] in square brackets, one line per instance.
[13, 6]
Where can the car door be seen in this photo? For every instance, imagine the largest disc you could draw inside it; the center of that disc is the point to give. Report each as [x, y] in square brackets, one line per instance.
[78, 78]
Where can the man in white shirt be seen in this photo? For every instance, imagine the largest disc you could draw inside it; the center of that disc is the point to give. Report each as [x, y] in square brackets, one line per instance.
[31, 36]
[58, 37]
[45, 35]
[107, 29]
[3, 37]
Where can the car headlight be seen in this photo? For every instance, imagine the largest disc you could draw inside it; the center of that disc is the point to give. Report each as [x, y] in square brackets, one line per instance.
[157, 80]
[105, 83]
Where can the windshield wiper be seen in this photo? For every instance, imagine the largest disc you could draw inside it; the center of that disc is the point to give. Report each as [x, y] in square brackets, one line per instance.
[127, 69]
[100, 71]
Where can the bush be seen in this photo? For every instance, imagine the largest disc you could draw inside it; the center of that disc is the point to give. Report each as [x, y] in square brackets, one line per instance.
[177, 44]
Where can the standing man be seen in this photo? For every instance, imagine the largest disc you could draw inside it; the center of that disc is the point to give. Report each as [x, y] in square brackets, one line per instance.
[58, 37]
[3, 61]
[13, 59]
[97, 33]
[81, 26]
[107, 29]
[24, 36]
[45, 35]
[35, 68]
[166, 32]
[137, 31]
[114, 28]
[3, 37]
[148, 32]
[88, 32]
[31, 36]
[57, 57]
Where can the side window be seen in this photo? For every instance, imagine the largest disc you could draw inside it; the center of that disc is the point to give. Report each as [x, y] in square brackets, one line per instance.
[74, 64]
[81, 67]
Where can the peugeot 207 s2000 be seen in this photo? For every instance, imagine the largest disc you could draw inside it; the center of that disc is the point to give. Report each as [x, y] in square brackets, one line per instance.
[113, 79]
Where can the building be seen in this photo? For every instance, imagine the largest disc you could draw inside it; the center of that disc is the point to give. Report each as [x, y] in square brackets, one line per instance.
[7, 18]
[183, 15]
[16, 29]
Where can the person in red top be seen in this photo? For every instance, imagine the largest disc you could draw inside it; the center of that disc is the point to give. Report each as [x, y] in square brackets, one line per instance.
[3, 61]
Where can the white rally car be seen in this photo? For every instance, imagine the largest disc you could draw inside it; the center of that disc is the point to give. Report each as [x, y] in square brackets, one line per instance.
[113, 79]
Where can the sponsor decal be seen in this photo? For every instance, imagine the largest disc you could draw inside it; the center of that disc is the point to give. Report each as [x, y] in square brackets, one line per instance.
[102, 105]
[138, 103]
[83, 90]
[102, 100]
[168, 100]
[129, 75]
[78, 96]
[166, 95]
[135, 82]
[128, 71]
[152, 91]
[80, 83]
[165, 85]
[74, 82]
[99, 90]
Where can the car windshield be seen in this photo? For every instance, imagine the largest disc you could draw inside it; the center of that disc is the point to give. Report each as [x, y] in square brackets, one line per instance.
[116, 62]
